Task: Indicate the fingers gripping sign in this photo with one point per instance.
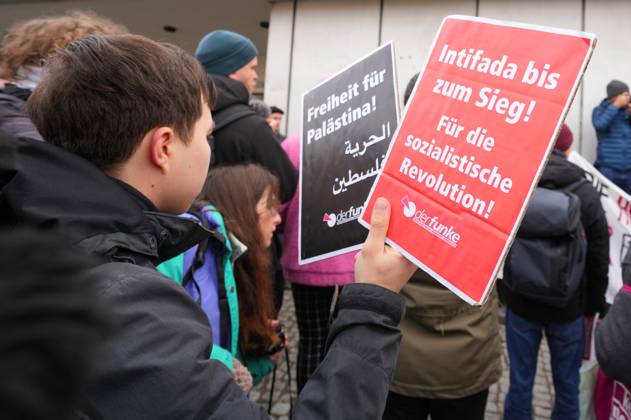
(377, 263)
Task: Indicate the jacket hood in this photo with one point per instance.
(229, 92)
(560, 172)
(45, 186)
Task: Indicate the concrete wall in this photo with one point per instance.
(319, 37)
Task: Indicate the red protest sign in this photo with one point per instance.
(473, 141)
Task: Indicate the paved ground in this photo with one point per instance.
(543, 390)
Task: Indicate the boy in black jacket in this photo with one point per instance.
(126, 121)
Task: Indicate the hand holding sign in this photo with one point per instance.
(377, 263)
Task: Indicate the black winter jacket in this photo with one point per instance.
(13, 117)
(613, 338)
(613, 335)
(156, 364)
(590, 296)
(243, 137)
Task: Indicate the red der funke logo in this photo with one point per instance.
(343, 216)
(409, 208)
(329, 218)
(432, 224)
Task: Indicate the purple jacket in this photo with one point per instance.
(330, 272)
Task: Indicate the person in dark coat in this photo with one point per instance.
(240, 135)
(275, 120)
(613, 129)
(526, 318)
(114, 181)
(613, 335)
(51, 326)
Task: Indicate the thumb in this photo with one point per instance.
(379, 222)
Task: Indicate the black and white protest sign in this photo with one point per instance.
(347, 123)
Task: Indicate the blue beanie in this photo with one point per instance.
(224, 52)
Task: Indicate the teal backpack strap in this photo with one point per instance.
(228, 282)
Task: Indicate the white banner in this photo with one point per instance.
(617, 205)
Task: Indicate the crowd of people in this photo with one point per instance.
(150, 213)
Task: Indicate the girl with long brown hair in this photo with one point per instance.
(247, 197)
(229, 274)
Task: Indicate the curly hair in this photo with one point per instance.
(28, 42)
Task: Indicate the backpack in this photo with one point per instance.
(224, 118)
(546, 261)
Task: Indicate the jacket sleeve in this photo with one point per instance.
(613, 338)
(597, 264)
(258, 368)
(602, 116)
(352, 381)
(156, 365)
(222, 355)
(266, 151)
(14, 119)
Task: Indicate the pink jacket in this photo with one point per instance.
(330, 272)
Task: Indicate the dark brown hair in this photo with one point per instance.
(102, 94)
(235, 192)
(26, 43)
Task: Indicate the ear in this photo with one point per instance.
(161, 147)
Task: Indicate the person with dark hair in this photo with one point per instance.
(613, 129)
(247, 196)
(239, 203)
(127, 120)
(275, 119)
(24, 46)
(51, 324)
(450, 352)
(527, 318)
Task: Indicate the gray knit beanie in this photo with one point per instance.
(224, 52)
(615, 88)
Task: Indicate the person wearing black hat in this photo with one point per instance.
(611, 121)
(274, 120)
